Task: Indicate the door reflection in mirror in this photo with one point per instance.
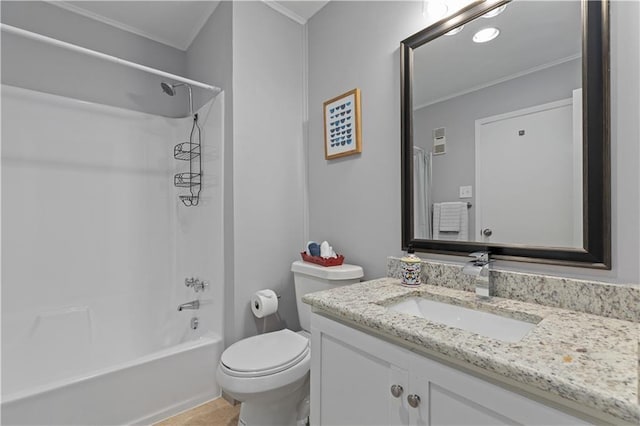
(527, 189)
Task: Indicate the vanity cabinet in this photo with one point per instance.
(352, 376)
(359, 379)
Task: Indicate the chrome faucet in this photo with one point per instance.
(195, 304)
(479, 268)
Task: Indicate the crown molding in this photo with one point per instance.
(286, 12)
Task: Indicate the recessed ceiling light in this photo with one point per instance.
(495, 12)
(454, 31)
(435, 9)
(485, 35)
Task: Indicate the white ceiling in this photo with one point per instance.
(174, 23)
(533, 35)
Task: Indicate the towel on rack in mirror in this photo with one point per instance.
(450, 221)
(450, 216)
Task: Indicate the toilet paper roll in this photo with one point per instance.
(263, 303)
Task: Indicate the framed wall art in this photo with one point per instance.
(342, 134)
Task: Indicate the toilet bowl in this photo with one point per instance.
(269, 373)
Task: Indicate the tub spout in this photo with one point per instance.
(195, 304)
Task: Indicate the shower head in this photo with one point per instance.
(170, 89)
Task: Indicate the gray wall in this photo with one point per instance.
(256, 55)
(457, 166)
(52, 21)
(209, 59)
(267, 158)
(38, 66)
(355, 202)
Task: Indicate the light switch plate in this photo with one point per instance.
(466, 191)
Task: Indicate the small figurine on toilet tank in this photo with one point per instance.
(411, 266)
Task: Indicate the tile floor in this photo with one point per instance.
(214, 413)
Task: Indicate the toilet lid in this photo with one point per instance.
(267, 353)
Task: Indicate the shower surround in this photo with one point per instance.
(96, 247)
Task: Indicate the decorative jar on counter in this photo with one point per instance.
(411, 266)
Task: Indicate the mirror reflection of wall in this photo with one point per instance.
(510, 112)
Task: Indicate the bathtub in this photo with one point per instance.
(96, 247)
(141, 391)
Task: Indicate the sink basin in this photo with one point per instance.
(483, 323)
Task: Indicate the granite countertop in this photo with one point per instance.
(589, 359)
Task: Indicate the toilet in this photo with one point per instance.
(269, 373)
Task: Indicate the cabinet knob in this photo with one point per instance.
(413, 400)
(396, 391)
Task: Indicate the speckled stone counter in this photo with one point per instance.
(588, 359)
(592, 297)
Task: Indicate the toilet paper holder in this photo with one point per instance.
(278, 296)
(264, 303)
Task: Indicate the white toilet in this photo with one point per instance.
(269, 373)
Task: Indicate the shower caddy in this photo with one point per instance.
(190, 151)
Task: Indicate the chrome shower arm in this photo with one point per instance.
(188, 86)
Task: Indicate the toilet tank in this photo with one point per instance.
(310, 278)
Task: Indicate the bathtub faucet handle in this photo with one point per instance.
(196, 284)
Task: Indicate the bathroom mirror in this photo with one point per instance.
(505, 133)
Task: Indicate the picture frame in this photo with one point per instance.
(342, 131)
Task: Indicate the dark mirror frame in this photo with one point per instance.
(596, 146)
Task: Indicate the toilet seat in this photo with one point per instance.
(286, 371)
(264, 354)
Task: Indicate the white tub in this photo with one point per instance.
(96, 247)
(141, 391)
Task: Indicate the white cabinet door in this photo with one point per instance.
(352, 376)
(352, 373)
(451, 397)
